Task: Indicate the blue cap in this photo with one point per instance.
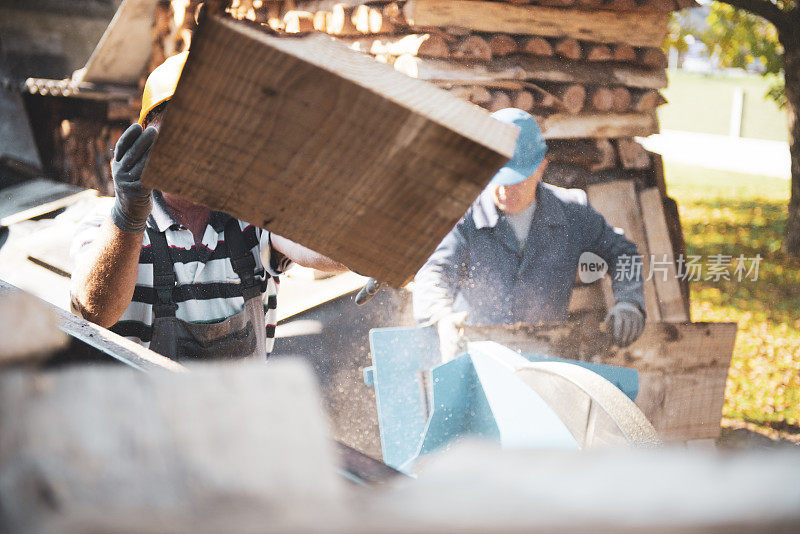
(529, 152)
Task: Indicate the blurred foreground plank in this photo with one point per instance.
(113, 439)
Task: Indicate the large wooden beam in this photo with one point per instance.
(324, 146)
(523, 67)
(120, 56)
(637, 28)
(682, 367)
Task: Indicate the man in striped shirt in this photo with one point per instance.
(178, 278)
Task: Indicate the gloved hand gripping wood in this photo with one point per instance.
(133, 201)
(626, 321)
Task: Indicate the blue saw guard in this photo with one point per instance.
(472, 396)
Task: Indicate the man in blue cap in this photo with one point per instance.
(512, 258)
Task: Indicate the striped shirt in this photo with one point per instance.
(207, 286)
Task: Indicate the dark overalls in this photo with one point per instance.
(240, 336)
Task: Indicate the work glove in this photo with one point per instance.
(451, 340)
(626, 322)
(133, 201)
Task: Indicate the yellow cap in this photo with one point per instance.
(161, 84)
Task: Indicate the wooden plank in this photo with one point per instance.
(38, 197)
(668, 287)
(324, 146)
(107, 342)
(119, 56)
(682, 367)
(648, 28)
(527, 67)
(618, 203)
(597, 125)
(246, 433)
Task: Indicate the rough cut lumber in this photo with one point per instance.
(298, 22)
(622, 99)
(682, 367)
(472, 47)
(599, 53)
(675, 230)
(668, 287)
(598, 125)
(28, 329)
(338, 125)
(618, 203)
(568, 48)
(587, 298)
(341, 21)
(424, 45)
(537, 46)
(502, 45)
(119, 56)
(652, 57)
(632, 155)
(635, 28)
(522, 67)
(646, 100)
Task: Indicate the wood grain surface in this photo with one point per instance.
(324, 146)
(641, 28)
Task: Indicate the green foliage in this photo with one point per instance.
(738, 39)
(777, 91)
(730, 213)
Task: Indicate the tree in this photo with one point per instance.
(740, 32)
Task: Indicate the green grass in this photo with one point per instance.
(730, 213)
(702, 103)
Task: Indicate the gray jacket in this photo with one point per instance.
(480, 268)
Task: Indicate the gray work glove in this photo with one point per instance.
(368, 291)
(133, 200)
(626, 322)
(451, 341)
